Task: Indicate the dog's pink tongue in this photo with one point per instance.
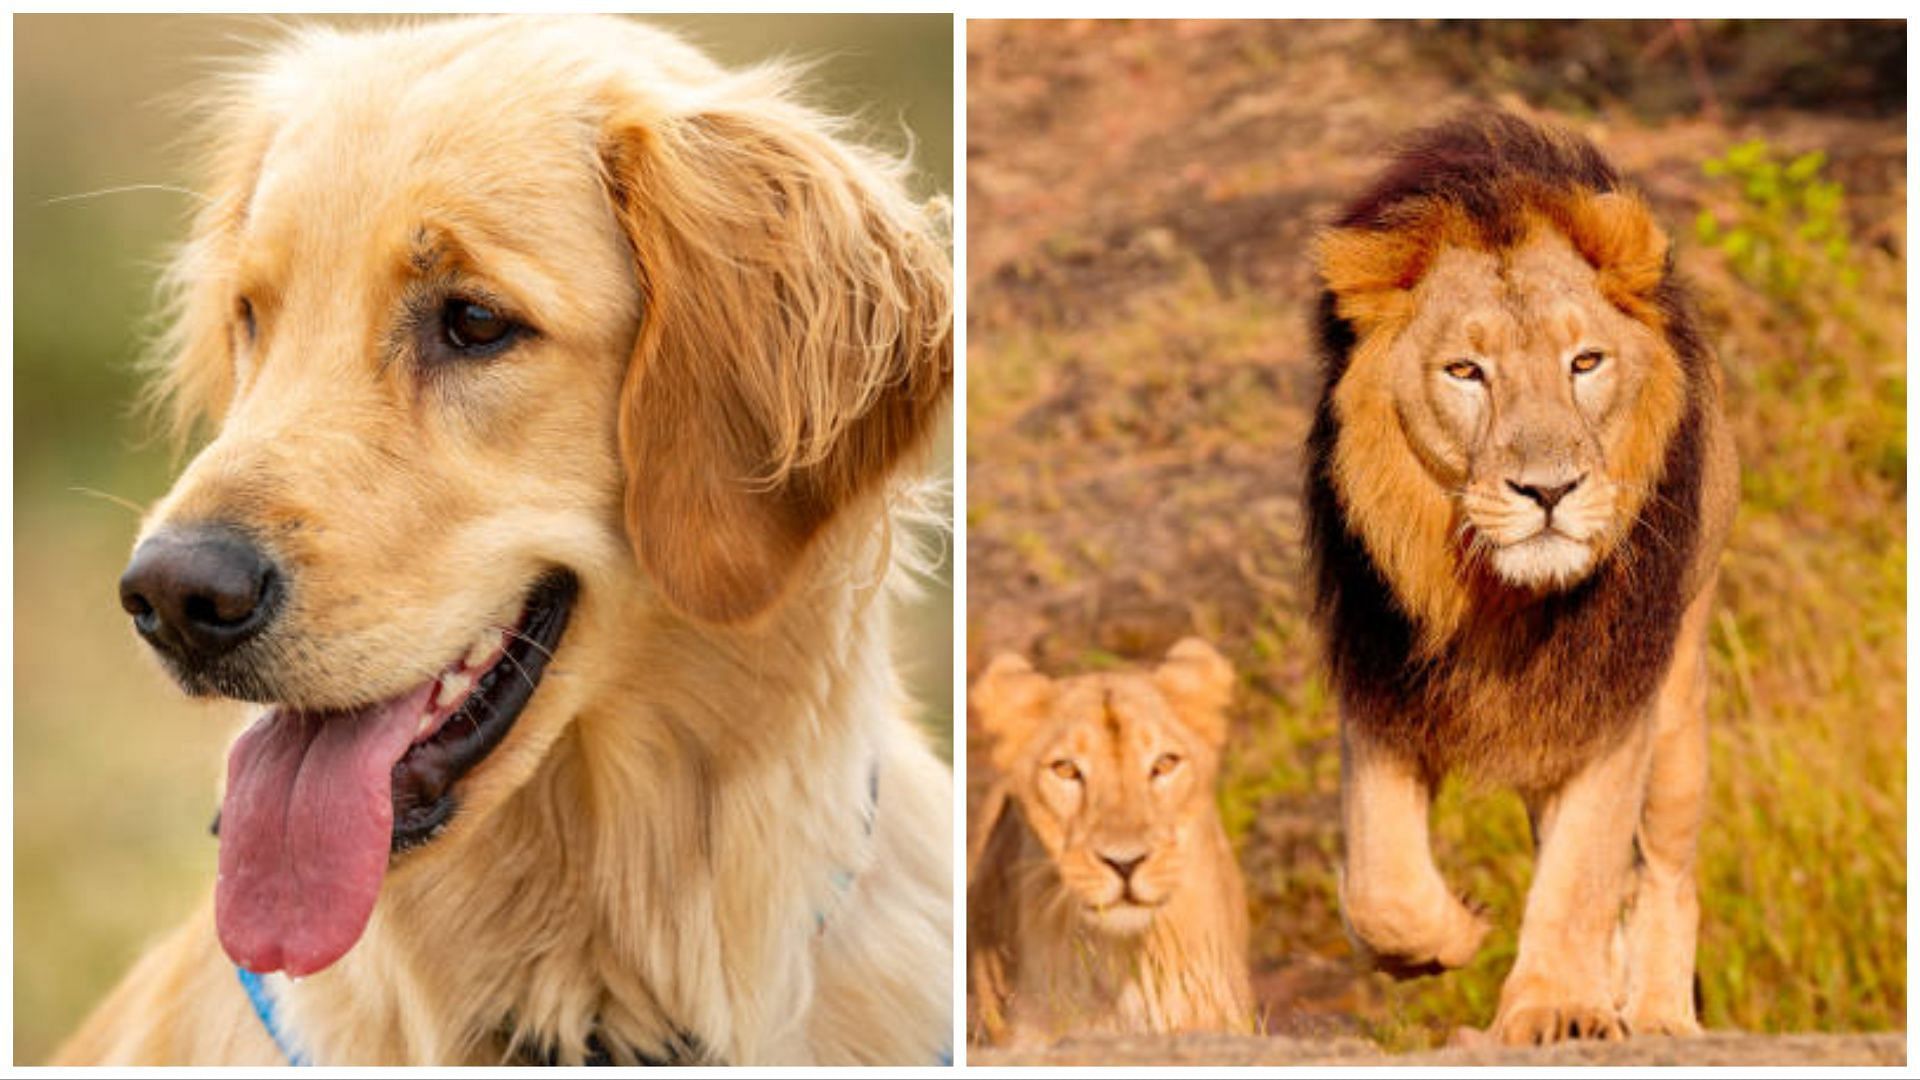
(305, 831)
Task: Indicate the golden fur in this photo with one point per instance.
(714, 825)
(1102, 772)
(1501, 322)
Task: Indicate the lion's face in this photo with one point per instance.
(1517, 384)
(1114, 774)
(1505, 409)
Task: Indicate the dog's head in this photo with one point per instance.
(502, 325)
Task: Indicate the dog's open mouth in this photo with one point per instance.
(317, 803)
(474, 703)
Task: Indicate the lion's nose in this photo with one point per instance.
(1548, 496)
(196, 593)
(1124, 865)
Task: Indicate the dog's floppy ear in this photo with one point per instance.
(1198, 682)
(796, 338)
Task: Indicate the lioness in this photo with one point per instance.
(1520, 483)
(1102, 892)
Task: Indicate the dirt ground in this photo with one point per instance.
(1718, 1049)
(1141, 197)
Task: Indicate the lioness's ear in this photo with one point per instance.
(796, 339)
(1615, 232)
(1198, 682)
(1011, 699)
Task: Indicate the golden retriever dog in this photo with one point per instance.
(565, 389)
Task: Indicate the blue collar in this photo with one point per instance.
(686, 1052)
(683, 1049)
(268, 1011)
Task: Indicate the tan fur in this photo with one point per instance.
(744, 332)
(1059, 941)
(1422, 469)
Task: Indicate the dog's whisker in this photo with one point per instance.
(126, 189)
(138, 510)
(518, 636)
(518, 667)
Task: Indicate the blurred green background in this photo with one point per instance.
(114, 773)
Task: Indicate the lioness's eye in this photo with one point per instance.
(1165, 764)
(1588, 360)
(474, 329)
(1465, 371)
(1065, 770)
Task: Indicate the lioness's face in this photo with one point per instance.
(1517, 384)
(1113, 785)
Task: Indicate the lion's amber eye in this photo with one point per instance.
(1588, 360)
(1065, 770)
(1165, 764)
(1465, 371)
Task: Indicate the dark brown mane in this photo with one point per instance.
(1479, 162)
(1522, 692)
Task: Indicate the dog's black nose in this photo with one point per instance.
(197, 593)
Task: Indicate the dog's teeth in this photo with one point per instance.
(426, 722)
(484, 649)
(453, 686)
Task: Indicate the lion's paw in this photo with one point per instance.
(1540, 1025)
(1408, 941)
(1678, 1024)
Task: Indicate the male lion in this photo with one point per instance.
(1520, 483)
(1103, 893)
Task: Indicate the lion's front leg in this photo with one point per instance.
(1562, 985)
(1397, 907)
(1664, 923)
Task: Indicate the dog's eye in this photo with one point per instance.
(1587, 361)
(474, 328)
(1465, 371)
(1165, 764)
(1065, 770)
(244, 311)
